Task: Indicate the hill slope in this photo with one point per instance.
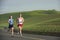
(35, 21)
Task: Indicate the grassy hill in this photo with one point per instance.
(38, 21)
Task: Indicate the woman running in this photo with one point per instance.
(20, 21)
(11, 28)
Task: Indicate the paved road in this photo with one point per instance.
(7, 36)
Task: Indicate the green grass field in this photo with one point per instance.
(34, 21)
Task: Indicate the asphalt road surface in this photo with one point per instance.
(4, 35)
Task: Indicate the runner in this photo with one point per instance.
(11, 28)
(20, 21)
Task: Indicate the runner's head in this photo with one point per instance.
(10, 17)
(20, 15)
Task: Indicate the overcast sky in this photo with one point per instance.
(28, 5)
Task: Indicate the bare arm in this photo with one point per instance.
(23, 19)
(8, 21)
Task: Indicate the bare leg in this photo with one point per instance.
(20, 30)
(12, 31)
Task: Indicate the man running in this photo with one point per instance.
(20, 21)
(11, 28)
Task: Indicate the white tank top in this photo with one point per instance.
(20, 21)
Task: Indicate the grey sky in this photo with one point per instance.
(28, 5)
